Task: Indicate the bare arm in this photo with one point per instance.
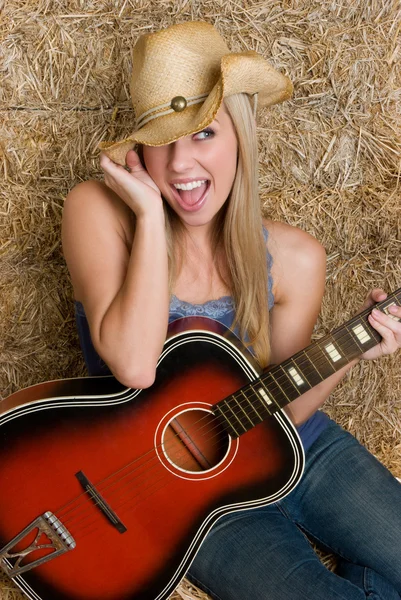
(299, 275)
(124, 289)
(299, 267)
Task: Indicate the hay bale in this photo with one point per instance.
(329, 163)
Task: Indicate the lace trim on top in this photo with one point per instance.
(214, 309)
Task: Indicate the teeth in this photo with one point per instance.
(189, 186)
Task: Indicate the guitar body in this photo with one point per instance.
(158, 458)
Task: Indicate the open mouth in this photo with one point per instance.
(194, 199)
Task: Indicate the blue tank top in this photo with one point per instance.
(222, 310)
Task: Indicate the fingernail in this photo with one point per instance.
(376, 312)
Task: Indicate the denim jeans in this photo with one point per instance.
(347, 501)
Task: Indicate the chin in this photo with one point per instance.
(196, 220)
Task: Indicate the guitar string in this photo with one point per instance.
(239, 419)
(187, 464)
(147, 471)
(143, 499)
(92, 527)
(357, 318)
(99, 484)
(129, 500)
(142, 465)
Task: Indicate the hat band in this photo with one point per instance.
(152, 113)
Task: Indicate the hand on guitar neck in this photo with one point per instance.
(386, 323)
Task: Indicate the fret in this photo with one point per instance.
(312, 375)
(261, 395)
(355, 339)
(389, 314)
(347, 343)
(277, 397)
(226, 421)
(333, 352)
(275, 380)
(373, 333)
(326, 366)
(264, 395)
(396, 296)
(297, 377)
(283, 383)
(363, 334)
(241, 408)
(252, 404)
(227, 403)
(359, 334)
(291, 379)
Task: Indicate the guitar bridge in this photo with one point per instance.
(51, 537)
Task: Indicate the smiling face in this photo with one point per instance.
(195, 174)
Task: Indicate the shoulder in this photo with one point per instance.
(286, 240)
(299, 259)
(87, 191)
(92, 202)
(97, 233)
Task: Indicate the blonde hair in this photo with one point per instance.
(237, 237)
(244, 242)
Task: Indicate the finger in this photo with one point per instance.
(388, 343)
(133, 162)
(109, 165)
(378, 295)
(131, 158)
(104, 159)
(395, 310)
(375, 295)
(388, 322)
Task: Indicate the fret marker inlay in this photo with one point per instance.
(333, 352)
(296, 376)
(265, 396)
(361, 334)
(385, 309)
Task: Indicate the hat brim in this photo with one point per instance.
(246, 72)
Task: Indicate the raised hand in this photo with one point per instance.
(134, 186)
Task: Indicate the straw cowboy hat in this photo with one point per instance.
(179, 78)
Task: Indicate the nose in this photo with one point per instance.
(181, 156)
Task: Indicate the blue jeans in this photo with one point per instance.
(347, 501)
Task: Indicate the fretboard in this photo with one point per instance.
(283, 383)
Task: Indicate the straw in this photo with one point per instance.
(330, 163)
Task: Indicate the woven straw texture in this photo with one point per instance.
(330, 163)
(190, 59)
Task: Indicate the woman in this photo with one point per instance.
(178, 231)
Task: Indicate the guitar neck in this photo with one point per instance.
(283, 383)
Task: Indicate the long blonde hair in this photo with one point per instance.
(244, 242)
(237, 237)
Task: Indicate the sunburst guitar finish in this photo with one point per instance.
(107, 493)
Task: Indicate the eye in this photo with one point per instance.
(208, 133)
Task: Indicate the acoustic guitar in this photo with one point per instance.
(107, 493)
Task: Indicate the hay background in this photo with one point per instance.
(329, 163)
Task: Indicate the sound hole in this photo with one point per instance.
(195, 441)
